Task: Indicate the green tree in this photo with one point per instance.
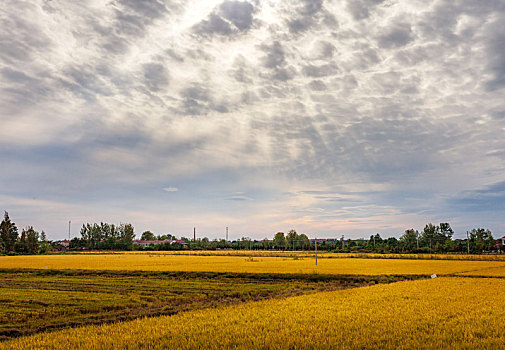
(279, 241)
(21, 246)
(444, 237)
(429, 236)
(481, 240)
(409, 240)
(392, 244)
(8, 234)
(32, 241)
(304, 241)
(291, 239)
(147, 236)
(44, 245)
(165, 237)
(126, 236)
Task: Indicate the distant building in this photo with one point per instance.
(62, 245)
(151, 243)
(324, 240)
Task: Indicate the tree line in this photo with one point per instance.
(432, 239)
(28, 242)
(105, 236)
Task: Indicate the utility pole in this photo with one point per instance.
(417, 240)
(69, 222)
(194, 234)
(226, 233)
(315, 244)
(343, 243)
(467, 243)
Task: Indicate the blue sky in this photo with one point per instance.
(329, 117)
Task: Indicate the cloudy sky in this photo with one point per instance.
(329, 117)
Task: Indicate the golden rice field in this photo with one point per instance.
(449, 312)
(492, 271)
(323, 254)
(238, 264)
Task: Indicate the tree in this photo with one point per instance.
(409, 240)
(164, 237)
(44, 245)
(20, 246)
(428, 235)
(107, 236)
(291, 238)
(8, 234)
(32, 241)
(392, 244)
(279, 241)
(147, 236)
(481, 240)
(304, 241)
(444, 237)
(126, 236)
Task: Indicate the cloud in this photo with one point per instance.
(397, 35)
(496, 54)
(360, 9)
(490, 198)
(239, 198)
(320, 71)
(231, 17)
(170, 189)
(392, 110)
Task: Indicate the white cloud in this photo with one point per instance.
(402, 97)
(170, 189)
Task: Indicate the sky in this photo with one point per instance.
(328, 117)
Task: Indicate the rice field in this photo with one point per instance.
(251, 264)
(436, 313)
(37, 300)
(321, 254)
(215, 301)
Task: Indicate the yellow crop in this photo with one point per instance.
(428, 314)
(160, 262)
(321, 254)
(492, 271)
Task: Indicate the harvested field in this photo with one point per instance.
(39, 300)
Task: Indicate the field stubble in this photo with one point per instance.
(37, 300)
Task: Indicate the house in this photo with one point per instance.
(144, 244)
(500, 243)
(62, 245)
(149, 243)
